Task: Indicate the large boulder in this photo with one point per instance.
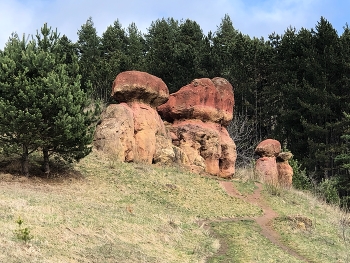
(133, 130)
(203, 99)
(194, 135)
(139, 86)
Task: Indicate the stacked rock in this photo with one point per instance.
(132, 130)
(272, 165)
(197, 117)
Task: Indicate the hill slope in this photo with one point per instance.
(119, 212)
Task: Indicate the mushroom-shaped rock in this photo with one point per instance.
(140, 86)
(284, 156)
(203, 99)
(268, 148)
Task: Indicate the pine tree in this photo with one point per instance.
(41, 102)
(113, 58)
(20, 119)
(136, 49)
(89, 53)
(161, 51)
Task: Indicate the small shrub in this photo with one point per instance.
(300, 179)
(273, 188)
(22, 233)
(328, 190)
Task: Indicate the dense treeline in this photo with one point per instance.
(293, 87)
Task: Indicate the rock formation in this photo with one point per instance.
(193, 133)
(197, 117)
(133, 130)
(272, 165)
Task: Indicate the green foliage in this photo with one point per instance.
(300, 178)
(41, 102)
(328, 190)
(273, 188)
(22, 233)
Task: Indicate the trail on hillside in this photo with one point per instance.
(264, 221)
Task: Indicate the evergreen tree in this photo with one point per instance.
(89, 53)
(20, 119)
(136, 48)
(190, 42)
(41, 102)
(161, 57)
(113, 60)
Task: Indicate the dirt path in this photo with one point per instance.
(263, 221)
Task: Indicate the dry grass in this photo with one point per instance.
(113, 212)
(247, 244)
(105, 211)
(312, 227)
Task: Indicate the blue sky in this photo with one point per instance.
(251, 17)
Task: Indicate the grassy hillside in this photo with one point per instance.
(105, 211)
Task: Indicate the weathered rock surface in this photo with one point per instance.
(115, 134)
(268, 148)
(203, 99)
(207, 145)
(139, 86)
(285, 174)
(266, 169)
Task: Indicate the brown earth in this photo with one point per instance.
(264, 221)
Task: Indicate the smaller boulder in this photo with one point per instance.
(284, 156)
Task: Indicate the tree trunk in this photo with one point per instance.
(25, 161)
(46, 165)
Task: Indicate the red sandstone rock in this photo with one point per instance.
(285, 174)
(139, 86)
(115, 134)
(197, 137)
(268, 148)
(203, 99)
(266, 169)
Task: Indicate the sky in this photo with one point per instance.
(251, 17)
